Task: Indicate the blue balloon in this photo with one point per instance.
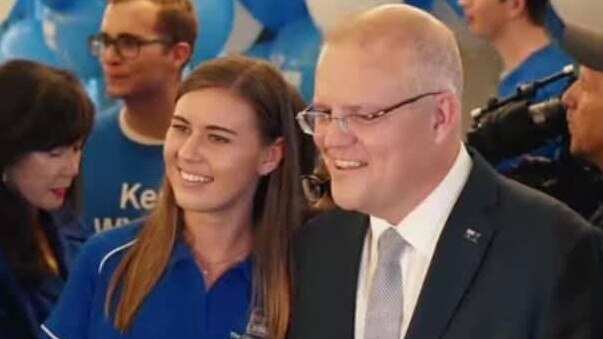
(295, 50)
(95, 87)
(82, 7)
(274, 14)
(68, 33)
(24, 39)
(454, 4)
(422, 4)
(215, 23)
(554, 24)
(59, 5)
(260, 49)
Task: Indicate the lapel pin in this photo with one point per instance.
(472, 235)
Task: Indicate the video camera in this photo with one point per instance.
(516, 124)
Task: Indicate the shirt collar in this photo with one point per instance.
(422, 226)
(181, 252)
(133, 135)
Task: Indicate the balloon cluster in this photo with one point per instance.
(288, 33)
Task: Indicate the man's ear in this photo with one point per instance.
(181, 53)
(447, 114)
(272, 155)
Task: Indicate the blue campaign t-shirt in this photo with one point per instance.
(179, 305)
(121, 173)
(540, 64)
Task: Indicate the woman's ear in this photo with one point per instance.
(272, 155)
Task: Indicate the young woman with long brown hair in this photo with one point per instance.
(212, 259)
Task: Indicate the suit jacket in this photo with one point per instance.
(510, 263)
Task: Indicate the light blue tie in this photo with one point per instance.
(385, 303)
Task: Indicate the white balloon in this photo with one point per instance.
(6, 7)
(245, 30)
(327, 13)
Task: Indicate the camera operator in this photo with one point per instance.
(576, 27)
(518, 124)
(584, 102)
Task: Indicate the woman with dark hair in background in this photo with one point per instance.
(216, 248)
(45, 117)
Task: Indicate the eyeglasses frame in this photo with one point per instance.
(343, 121)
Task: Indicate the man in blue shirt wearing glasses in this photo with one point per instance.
(142, 47)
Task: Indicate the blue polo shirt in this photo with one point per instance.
(179, 306)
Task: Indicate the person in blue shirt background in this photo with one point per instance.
(215, 250)
(142, 47)
(515, 28)
(45, 117)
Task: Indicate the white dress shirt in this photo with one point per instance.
(421, 229)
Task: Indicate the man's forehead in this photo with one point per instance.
(142, 16)
(353, 58)
(377, 49)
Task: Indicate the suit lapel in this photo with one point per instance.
(345, 263)
(328, 254)
(458, 254)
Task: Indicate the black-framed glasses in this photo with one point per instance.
(314, 187)
(312, 119)
(126, 45)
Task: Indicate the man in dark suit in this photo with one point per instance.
(434, 243)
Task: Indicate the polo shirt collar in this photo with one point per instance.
(182, 252)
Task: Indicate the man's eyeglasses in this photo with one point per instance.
(314, 187)
(312, 120)
(126, 46)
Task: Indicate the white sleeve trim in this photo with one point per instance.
(113, 251)
(48, 332)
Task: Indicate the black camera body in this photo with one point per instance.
(515, 125)
(517, 128)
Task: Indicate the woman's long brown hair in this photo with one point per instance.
(276, 202)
